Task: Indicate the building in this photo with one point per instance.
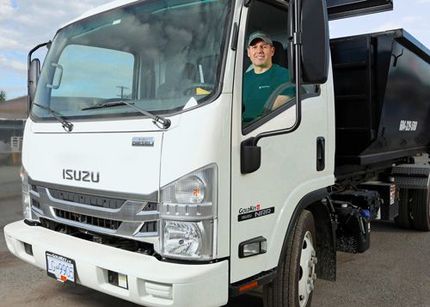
(13, 114)
(14, 109)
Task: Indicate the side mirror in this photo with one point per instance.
(33, 78)
(250, 156)
(315, 41)
(33, 73)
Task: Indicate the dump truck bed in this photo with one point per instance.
(382, 97)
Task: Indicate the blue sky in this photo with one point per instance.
(26, 23)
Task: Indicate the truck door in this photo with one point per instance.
(262, 202)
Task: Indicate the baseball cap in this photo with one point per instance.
(259, 35)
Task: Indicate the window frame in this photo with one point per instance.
(253, 125)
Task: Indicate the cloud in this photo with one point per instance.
(6, 9)
(26, 23)
(15, 65)
(32, 22)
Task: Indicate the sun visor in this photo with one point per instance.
(338, 9)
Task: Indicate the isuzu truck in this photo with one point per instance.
(142, 179)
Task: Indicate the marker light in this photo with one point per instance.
(26, 202)
(190, 190)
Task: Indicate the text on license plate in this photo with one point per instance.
(61, 268)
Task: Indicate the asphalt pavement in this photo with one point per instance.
(395, 271)
(9, 181)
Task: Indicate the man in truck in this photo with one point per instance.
(264, 78)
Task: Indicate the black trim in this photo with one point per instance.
(133, 115)
(262, 278)
(29, 56)
(258, 240)
(235, 37)
(342, 9)
(278, 4)
(325, 227)
(194, 262)
(409, 41)
(32, 223)
(381, 156)
(250, 156)
(320, 154)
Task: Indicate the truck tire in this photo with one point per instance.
(420, 209)
(404, 220)
(295, 281)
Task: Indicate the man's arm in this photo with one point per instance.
(280, 100)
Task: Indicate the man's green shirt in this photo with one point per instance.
(257, 89)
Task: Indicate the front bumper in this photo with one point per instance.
(150, 282)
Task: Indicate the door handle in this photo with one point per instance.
(320, 154)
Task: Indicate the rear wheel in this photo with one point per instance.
(404, 218)
(420, 209)
(296, 276)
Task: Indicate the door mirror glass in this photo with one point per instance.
(33, 78)
(315, 41)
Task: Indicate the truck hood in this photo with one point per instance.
(123, 161)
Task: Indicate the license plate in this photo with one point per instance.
(61, 268)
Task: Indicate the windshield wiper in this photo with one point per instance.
(68, 126)
(157, 120)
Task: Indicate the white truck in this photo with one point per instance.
(142, 180)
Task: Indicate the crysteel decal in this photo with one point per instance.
(253, 212)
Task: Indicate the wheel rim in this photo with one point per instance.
(307, 275)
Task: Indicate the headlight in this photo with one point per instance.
(26, 202)
(188, 239)
(188, 214)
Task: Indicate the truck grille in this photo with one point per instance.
(89, 220)
(85, 199)
(113, 216)
(149, 227)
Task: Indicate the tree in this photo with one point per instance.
(2, 96)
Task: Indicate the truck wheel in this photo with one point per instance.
(404, 220)
(420, 209)
(296, 276)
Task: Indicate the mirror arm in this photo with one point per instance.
(30, 55)
(297, 42)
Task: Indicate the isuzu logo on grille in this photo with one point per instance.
(76, 175)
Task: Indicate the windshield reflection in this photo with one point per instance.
(162, 55)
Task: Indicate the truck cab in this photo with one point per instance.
(144, 180)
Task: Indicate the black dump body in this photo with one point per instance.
(382, 98)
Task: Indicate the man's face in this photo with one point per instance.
(260, 54)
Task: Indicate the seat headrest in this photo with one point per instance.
(279, 57)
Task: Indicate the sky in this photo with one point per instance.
(26, 23)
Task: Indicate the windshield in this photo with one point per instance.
(162, 56)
